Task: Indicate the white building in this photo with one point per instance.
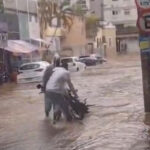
(105, 41)
(26, 11)
(94, 7)
(120, 12)
(123, 14)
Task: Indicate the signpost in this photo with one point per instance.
(144, 22)
(143, 7)
(143, 4)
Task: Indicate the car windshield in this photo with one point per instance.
(84, 56)
(29, 66)
(68, 60)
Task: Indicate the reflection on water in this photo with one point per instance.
(116, 120)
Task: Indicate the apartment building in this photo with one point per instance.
(26, 11)
(95, 7)
(116, 11)
(123, 14)
(120, 12)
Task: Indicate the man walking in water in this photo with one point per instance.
(56, 90)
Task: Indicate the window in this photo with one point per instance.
(33, 18)
(30, 67)
(127, 12)
(67, 60)
(115, 12)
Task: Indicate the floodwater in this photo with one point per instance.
(116, 120)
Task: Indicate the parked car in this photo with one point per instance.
(73, 64)
(98, 57)
(32, 72)
(88, 61)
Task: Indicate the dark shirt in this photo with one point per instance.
(47, 74)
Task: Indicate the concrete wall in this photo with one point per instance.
(34, 28)
(98, 45)
(110, 36)
(95, 7)
(108, 47)
(132, 45)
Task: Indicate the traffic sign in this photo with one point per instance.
(143, 4)
(143, 7)
(144, 43)
(144, 22)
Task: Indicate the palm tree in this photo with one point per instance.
(48, 10)
(78, 10)
(92, 23)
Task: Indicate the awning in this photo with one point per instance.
(41, 41)
(19, 46)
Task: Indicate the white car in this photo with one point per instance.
(32, 72)
(73, 64)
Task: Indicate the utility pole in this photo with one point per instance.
(102, 10)
(143, 8)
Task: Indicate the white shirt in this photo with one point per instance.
(58, 80)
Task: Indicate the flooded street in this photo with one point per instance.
(116, 120)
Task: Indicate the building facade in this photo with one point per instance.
(10, 21)
(94, 7)
(123, 14)
(105, 41)
(74, 42)
(120, 12)
(26, 11)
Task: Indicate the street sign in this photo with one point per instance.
(143, 7)
(143, 4)
(144, 22)
(144, 43)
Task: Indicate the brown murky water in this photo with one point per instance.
(116, 120)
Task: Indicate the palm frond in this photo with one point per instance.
(48, 10)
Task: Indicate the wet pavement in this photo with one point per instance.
(116, 120)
